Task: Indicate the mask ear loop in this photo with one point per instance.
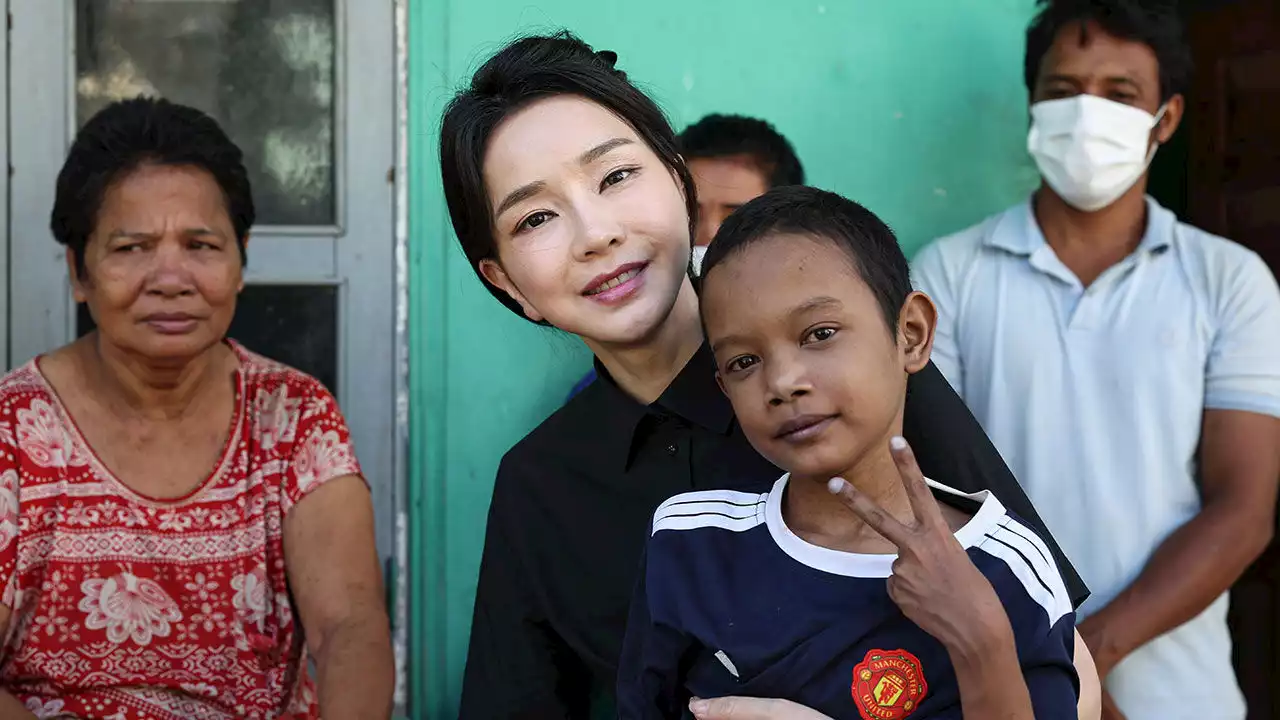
(1155, 125)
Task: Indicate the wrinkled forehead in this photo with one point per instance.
(544, 140)
(160, 195)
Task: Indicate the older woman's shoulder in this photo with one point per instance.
(262, 373)
(23, 385)
(292, 414)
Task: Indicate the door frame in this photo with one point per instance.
(6, 169)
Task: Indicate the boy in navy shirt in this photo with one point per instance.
(853, 585)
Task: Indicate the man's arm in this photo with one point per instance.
(1240, 464)
(517, 666)
(1239, 468)
(332, 564)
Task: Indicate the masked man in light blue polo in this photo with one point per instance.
(1126, 365)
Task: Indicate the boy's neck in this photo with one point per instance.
(822, 519)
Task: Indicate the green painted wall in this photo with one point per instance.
(913, 107)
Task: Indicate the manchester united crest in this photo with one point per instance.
(888, 684)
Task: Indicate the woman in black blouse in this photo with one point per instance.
(572, 204)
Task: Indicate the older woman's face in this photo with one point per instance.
(162, 267)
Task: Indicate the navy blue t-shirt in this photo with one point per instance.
(731, 602)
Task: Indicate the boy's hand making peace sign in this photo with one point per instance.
(934, 582)
(938, 587)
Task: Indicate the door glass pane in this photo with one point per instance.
(263, 68)
(293, 324)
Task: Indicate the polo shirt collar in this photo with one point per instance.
(1016, 230)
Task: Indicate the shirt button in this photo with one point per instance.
(672, 449)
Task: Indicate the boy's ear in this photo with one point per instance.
(916, 324)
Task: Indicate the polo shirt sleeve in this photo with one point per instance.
(931, 276)
(1243, 369)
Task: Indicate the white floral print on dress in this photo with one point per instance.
(277, 416)
(44, 439)
(250, 599)
(320, 457)
(85, 545)
(128, 606)
(9, 518)
(44, 710)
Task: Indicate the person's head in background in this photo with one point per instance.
(568, 194)
(808, 306)
(733, 160)
(1105, 78)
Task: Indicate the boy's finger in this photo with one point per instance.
(871, 513)
(751, 708)
(923, 505)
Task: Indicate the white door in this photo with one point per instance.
(5, 169)
(306, 88)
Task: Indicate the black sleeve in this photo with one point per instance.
(517, 666)
(952, 447)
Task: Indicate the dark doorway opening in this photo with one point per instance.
(1221, 172)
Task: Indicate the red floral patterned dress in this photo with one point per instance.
(125, 607)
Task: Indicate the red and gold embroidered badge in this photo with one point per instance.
(888, 684)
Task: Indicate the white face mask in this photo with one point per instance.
(699, 252)
(1091, 150)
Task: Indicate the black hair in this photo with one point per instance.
(1154, 23)
(717, 136)
(128, 134)
(526, 70)
(870, 245)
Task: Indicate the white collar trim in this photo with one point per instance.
(867, 565)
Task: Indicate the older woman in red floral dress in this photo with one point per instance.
(183, 523)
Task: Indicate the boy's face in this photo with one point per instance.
(816, 378)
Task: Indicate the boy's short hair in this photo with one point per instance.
(868, 242)
(719, 136)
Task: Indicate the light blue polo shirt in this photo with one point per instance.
(1094, 397)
